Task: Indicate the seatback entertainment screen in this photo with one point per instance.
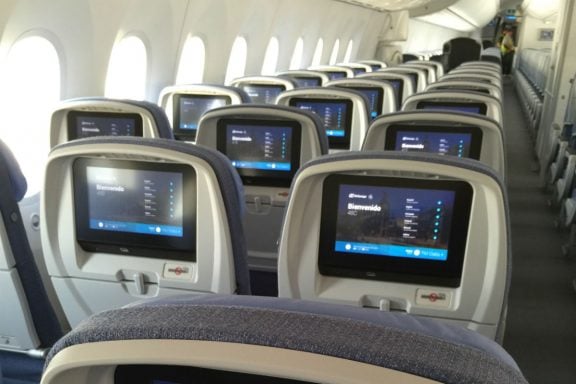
(263, 93)
(135, 208)
(83, 124)
(375, 96)
(336, 114)
(394, 229)
(307, 81)
(475, 108)
(264, 152)
(189, 109)
(456, 140)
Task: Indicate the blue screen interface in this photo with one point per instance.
(307, 81)
(450, 107)
(442, 143)
(358, 71)
(374, 96)
(259, 147)
(334, 75)
(333, 115)
(394, 222)
(88, 126)
(262, 93)
(193, 107)
(135, 201)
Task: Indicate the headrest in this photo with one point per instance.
(10, 164)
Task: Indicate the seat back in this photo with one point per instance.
(267, 145)
(30, 321)
(357, 68)
(334, 72)
(97, 116)
(127, 218)
(472, 77)
(305, 78)
(411, 232)
(477, 71)
(271, 340)
(463, 101)
(419, 76)
(375, 64)
(344, 113)
(460, 50)
(263, 89)
(445, 133)
(185, 105)
(460, 85)
(381, 95)
(430, 70)
(434, 64)
(402, 83)
(481, 63)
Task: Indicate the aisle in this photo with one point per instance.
(541, 327)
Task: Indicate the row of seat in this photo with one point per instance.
(85, 181)
(530, 83)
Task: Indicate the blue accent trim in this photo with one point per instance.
(126, 226)
(334, 132)
(268, 166)
(392, 250)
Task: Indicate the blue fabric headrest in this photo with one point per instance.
(17, 179)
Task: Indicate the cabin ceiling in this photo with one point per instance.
(390, 5)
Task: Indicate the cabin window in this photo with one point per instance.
(192, 60)
(348, 55)
(316, 59)
(29, 89)
(296, 61)
(237, 60)
(335, 51)
(126, 78)
(271, 58)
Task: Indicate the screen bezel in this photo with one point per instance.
(334, 142)
(134, 244)
(336, 75)
(474, 131)
(259, 177)
(72, 116)
(190, 134)
(381, 268)
(482, 107)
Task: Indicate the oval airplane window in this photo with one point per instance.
(192, 61)
(237, 60)
(348, 55)
(317, 58)
(271, 58)
(296, 61)
(31, 64)
(335, 51)
(126, 77)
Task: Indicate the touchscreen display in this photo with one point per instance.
(396, 229)
(189, 109)
(476, 108)
(132, 207)
(263, 152)
(263, 93)
(335, 114)
(459, 141)
(303, 81)
(88, 124)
